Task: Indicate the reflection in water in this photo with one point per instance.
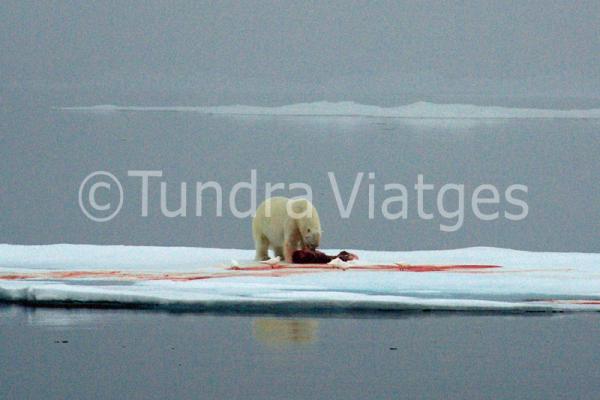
(357, 122)
(62, 318)
(282, 331)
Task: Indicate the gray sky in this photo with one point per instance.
(482, 47)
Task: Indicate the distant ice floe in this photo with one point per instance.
(480, 278)
(418, 110)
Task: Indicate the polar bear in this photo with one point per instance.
(285, 225)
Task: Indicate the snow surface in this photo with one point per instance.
(158, 276)
(418, 110)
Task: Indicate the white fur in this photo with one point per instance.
(285, 225)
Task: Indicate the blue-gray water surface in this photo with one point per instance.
(117, 354)
(46, 153)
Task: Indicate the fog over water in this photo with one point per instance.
(389, 54)
(273, 52)
(47, 153)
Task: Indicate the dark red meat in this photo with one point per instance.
(318, 257)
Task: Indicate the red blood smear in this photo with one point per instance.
(438, 268)
(84, 274)
(254, 271)
(566, 301)
(375, 267)
(584, 302)
(14, 277)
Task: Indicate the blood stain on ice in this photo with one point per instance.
(278, 270)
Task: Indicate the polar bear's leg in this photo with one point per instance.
(279, 252)
(290, 244)
(289, 249)
(262, 248)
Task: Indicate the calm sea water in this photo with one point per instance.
(46, 153)
(110, 354)
(58, 353)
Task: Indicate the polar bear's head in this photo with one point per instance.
(311, 232)
(308, 222)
